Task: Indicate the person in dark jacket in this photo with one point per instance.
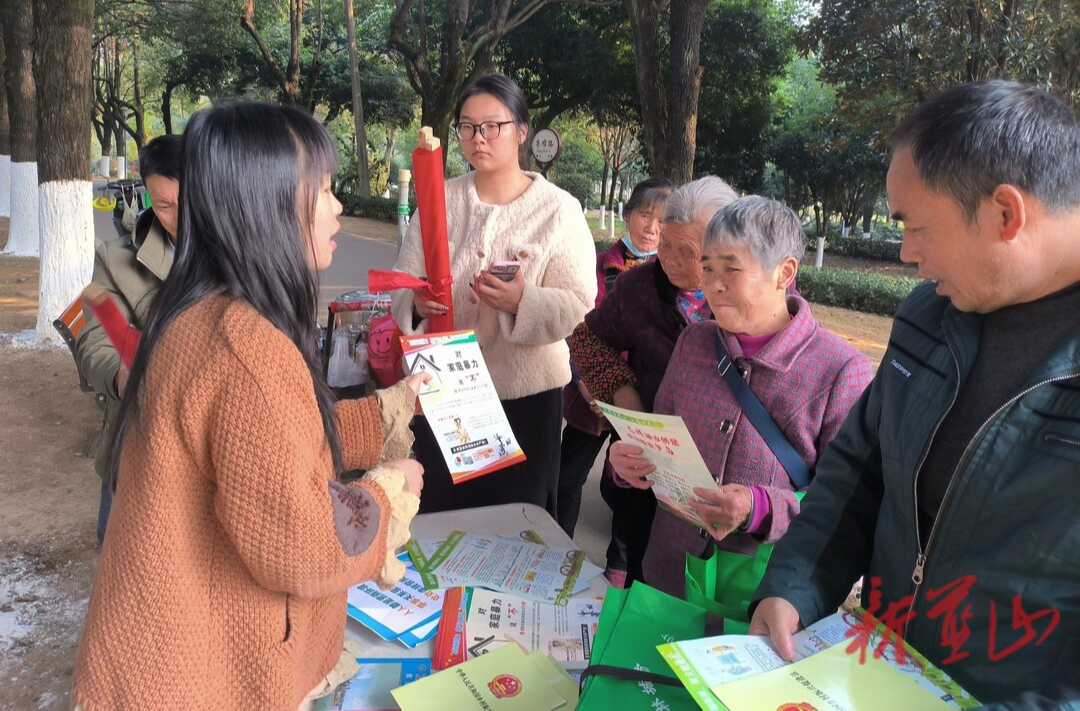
(642, 317)
(586, 430)
(130, 269)
(952, 486)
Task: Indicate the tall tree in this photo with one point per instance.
(886, 58)
(363, 182)
(746, 47)
(667, 52)
(619, 147)
(5, 140)
(22, 110)
(296, 85)
(446, 45)
(62, 63)
(547, 55)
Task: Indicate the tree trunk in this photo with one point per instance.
(645, 33)
(62, 65)
(668, 109)
(687, 19)
(5, 143)
(140, 134)
(358, 105)
(121, 148)
(388, 156)
(22, 112)
(166, 106)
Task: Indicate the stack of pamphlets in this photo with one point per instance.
(518, 565)
(737, 672)
(493, 620)
(408, 612)
(370, 689)
(507, 679)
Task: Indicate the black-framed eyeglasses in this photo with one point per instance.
(488, 129)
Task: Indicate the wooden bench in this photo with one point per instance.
(69, 325)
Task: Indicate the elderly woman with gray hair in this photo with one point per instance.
(806, 378)
(642, 316)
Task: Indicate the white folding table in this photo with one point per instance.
(491, 520)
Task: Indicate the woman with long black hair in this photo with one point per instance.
(231, 543)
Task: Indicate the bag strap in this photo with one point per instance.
(626, 675)
(762, 421)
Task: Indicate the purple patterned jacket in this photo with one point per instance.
(806, 377)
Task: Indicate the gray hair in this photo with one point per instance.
(971, 138)
(698, 199)
(769, 228)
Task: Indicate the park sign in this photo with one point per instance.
(546, 147)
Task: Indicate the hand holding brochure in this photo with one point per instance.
(667, 444)
(461, 404)
(738, 672)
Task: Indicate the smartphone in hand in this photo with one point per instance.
(504, 270)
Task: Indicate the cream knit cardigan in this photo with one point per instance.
(545, 230)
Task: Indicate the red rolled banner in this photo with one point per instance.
(430, 181)
(123, 336)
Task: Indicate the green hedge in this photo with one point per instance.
(374, 208)
(855, 289)
(874, 248)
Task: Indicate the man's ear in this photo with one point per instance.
(1010, 210)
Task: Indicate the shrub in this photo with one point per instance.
(865, 291)
(874, 248)
(375, 208)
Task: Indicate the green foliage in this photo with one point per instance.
(579, 165)
(864, 291)
(580, 186)
(820, 159)
(547, 54)
(746, 46)
(889, 57)
(374, 208)
(874, 248)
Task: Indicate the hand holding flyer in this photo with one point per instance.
(461, 404)
(667, 445)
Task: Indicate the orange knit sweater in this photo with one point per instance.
(223, 575)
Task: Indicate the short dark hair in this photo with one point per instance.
(506, 91)
(161, 156)
(249, 183)
(649, 193)
(971, 138)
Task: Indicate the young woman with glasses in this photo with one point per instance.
(500, 212)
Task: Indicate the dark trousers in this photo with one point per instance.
(576, 457)
(535, 420)
(104, 506)
(632, 512)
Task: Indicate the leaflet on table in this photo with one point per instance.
(461, 404)
(506, 679)
(394, 613)
(563, 632)
(422, 550)
(509, 565)
(667, 445)
(709, 667)
(370, 687)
